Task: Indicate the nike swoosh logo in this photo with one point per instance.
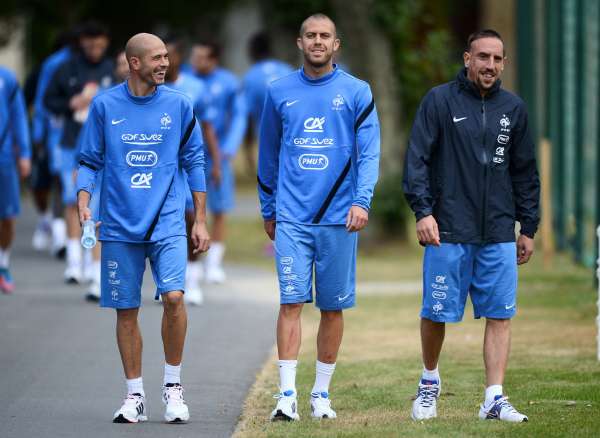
(455, 119)
(166, 280)
(509, 307)
(343, 298)
(116, 122)
(292, 102)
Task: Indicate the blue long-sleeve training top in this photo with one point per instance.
(13, 119)
(318, 149)
(143, 144)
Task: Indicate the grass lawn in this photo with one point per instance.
(553, 374)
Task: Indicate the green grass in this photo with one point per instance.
(553, 375)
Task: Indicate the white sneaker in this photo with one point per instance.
(501, 409)
(93, 292)
(193, 296)
(72, 274)
(320, 406)
(42, 237)
(425, 405)
(176, 409)
(132, 411)
(215, 274)
(287, 407)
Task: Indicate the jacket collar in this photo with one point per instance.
(469, 86)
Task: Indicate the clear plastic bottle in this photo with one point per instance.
(88, 236)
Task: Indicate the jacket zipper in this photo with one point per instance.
(485, 172)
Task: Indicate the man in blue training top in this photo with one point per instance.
(143, 136)
(227, 115)
(13, 132)
(263, 71)
(470, 172)
(195, 89)
(318, 165)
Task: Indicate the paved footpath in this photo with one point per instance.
(61, 374)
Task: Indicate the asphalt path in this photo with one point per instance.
(61, 375)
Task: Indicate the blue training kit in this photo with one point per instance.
(13, 131)
(143, 144)
(318, 156)
(486, 272)
(227, 114)
(255, 83)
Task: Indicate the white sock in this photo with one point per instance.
(135, 386)
(287, 375)
(96, 271)
(172, 374)
(74, 251)
(323, 377)
(214, 257)
(430, 374)
(4, 258)
(193, 271)
(88, 258)
(59, 232)
(45, 218)
(491, 392)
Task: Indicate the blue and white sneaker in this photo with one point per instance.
(287, 407)
(501, 409)
(320, 406)
(425, 405)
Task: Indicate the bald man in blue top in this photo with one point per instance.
(143, 136)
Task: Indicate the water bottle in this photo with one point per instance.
(88, 237)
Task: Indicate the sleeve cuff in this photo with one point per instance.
(422, 213)
(197, 180)
(86, 179)
(528, 230)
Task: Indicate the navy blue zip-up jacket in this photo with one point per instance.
(471, 164)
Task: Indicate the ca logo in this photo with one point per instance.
(314, 124)
(141, 180)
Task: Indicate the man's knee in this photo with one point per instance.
(173, 302)
(290, 311)
(127, 318)
(330, 316)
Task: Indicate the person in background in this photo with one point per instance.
(13, 132)
(227, 114)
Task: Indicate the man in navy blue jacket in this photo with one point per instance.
(470, 173)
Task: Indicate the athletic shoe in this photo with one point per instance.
(7, 284)
(132, 411)
(176, 409)
(501, 409)
(287, 407)
(215, 274)
(72, 275)
(320, 405)
(42, 236)
(193, 296)
(425, 405)
(93, 292)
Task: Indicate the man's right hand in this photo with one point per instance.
(270, 228)
(427, 231)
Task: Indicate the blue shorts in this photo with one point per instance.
(220, 198)
(66, 162)
(330, 250)
(124, 263)
(488, 273)
(54, 135)
(10, 205)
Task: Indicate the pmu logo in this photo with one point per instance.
(314, 124)
(141, 180)
(142, 139)
(313, 162)
(141, 158)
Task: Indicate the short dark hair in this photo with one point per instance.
(93, 29)
(259, 46)
(484, 33)
(317, 16)
(215, 48)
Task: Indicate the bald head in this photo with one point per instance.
(140, 44)
(319, 17)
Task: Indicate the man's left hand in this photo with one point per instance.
(24, 165)
(357, 218)
(200, 237)
(524, 249)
